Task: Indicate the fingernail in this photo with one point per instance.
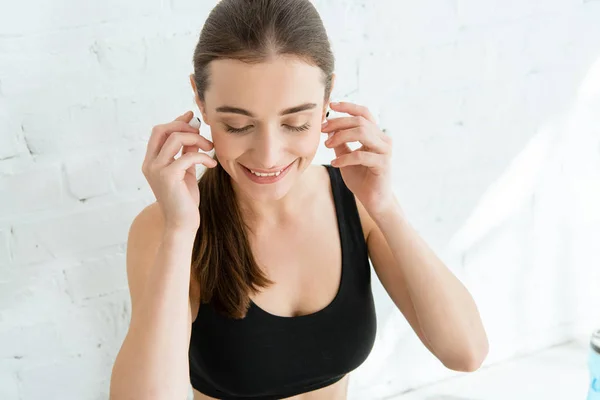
(324, 124)
(329, 135)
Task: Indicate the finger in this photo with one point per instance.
(161, 132)
(338, 124)
(186, 117)
(342, 149)
(358, 157)
(190, 149)
(335, 124)
(189, 160)
(359, 134)
(195, 122)
(176, 141)
(352, 109)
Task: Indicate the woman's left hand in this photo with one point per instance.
(366, 170)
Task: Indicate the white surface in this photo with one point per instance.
(558, 373)
(495, 163)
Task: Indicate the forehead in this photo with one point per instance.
(265, 87)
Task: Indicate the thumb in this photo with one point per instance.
(185, 117)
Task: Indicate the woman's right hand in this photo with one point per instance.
(173, 181)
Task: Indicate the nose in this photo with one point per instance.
(269, 148)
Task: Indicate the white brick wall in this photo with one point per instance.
(467, 88)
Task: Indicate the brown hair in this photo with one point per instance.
(251, 31)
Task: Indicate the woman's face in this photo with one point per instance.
(264, 117)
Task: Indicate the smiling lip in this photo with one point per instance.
(267, 179)
(269, 171)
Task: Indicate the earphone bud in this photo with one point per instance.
(325, 120)
(195, 122)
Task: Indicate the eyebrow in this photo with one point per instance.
(291, 110)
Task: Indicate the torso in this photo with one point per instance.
(337, 391)
(315, 263)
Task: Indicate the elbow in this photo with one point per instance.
(470, 360)
(470, 364)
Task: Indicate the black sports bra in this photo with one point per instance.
(265, 356)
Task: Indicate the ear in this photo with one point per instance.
(326, 105)
(333, 76)
(200, 104)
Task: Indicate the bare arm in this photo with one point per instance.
(434, 301)
(153, 360)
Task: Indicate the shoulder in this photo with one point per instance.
(366, 221)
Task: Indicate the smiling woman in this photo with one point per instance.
(264, 117)
(254, 282)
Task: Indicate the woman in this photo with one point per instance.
(277, 302)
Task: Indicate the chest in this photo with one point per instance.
(304, 259)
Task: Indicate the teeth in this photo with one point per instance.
(261, 174)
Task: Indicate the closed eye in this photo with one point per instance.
(299, 128)
(290, 127)
(237, 130)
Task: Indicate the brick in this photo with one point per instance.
(98, 325)
(69, 234)
(10, 141)
(32, 343)
(39, 188)
(5, 257)
(496, 12)
(25, 19)
(33, 295)
(126, 170)
(78, 125)
(97, 277)
(9, 385)
(73, 378)
(393, 26)
(87, 175)
(136, 116)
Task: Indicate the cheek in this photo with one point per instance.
(225, 146)
(311, 142)
(315, 140)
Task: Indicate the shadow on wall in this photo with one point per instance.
(526, 252)
(529, 246)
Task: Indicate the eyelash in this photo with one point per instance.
(292, 128)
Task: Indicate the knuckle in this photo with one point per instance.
(157, 128)
(175, 137)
